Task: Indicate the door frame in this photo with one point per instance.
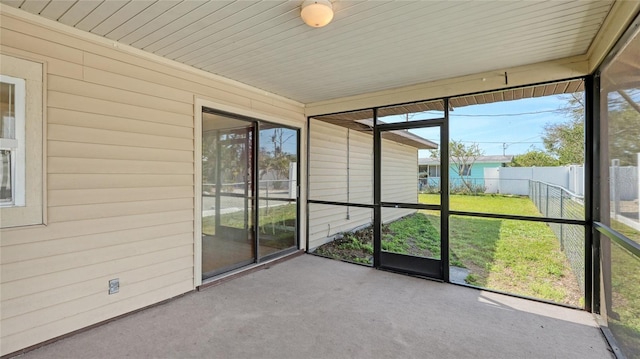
(241, 114)
(427, 267)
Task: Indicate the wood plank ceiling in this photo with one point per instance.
(369, 46)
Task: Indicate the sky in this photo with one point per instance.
(517, 125)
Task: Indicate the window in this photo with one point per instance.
(21, 142)
(434, 171)
(12, 146)
(464, 170)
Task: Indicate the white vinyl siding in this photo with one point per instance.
(399, 173)
(120, 183)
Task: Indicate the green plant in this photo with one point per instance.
(624, 311)
(519, 257)
(471, 279)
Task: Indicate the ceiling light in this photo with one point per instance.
(316, 13)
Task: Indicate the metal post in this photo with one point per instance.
(245, 177)
(444, 193)
(218, 179)
(546, 213)
(561, 225)
(377, 191)
(255, 186)
(592, 185)
(615, 174)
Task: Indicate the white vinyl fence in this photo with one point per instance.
(515, 180)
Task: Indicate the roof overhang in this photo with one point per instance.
(265, 44)
(557, 88)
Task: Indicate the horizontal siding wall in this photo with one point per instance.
(399, 173)
(339, 175)
(399, 178)
(120, 183)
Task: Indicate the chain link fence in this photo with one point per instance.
(557, 202)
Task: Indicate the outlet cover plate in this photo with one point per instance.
(114, 286)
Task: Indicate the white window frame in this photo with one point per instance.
(16, 146)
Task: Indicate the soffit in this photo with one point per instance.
(370, 46)
(361, 120)
(564, 87)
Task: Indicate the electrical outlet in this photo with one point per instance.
(114, 286)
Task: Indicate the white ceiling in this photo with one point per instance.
(369, 46)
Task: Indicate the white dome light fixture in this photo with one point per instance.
(316, 13)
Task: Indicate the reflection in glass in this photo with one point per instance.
(619, 197)
(411, 232)
(277, 226)
(533, 259)
(227, 194)
(277, 162)
(277, 171)
(624, 297)
(623, 127)
(7, 110)
(6, 194)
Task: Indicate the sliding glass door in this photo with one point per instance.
(228, 202)
(278, 188)
(249, 191)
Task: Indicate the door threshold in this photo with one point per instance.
(225, 277)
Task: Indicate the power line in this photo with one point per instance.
(513, 114)
(509, 114)
(494, 142)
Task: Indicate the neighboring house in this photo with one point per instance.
(430, 170)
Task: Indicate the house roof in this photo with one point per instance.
(370, 45)
(480, 159)
(399, 136)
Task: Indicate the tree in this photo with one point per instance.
(534, 158)
(623, 124)
(462, 157)
(273, 159)
(565, 141)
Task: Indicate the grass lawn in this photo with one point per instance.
(277, 224)
(518, 257)
(624, 322)
(514, 205)
(512, 256)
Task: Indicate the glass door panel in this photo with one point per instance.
(278, 226)
(228, 239)
(278, 188)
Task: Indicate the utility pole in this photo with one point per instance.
(504, 148)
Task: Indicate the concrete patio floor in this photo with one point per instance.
(311, 307)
